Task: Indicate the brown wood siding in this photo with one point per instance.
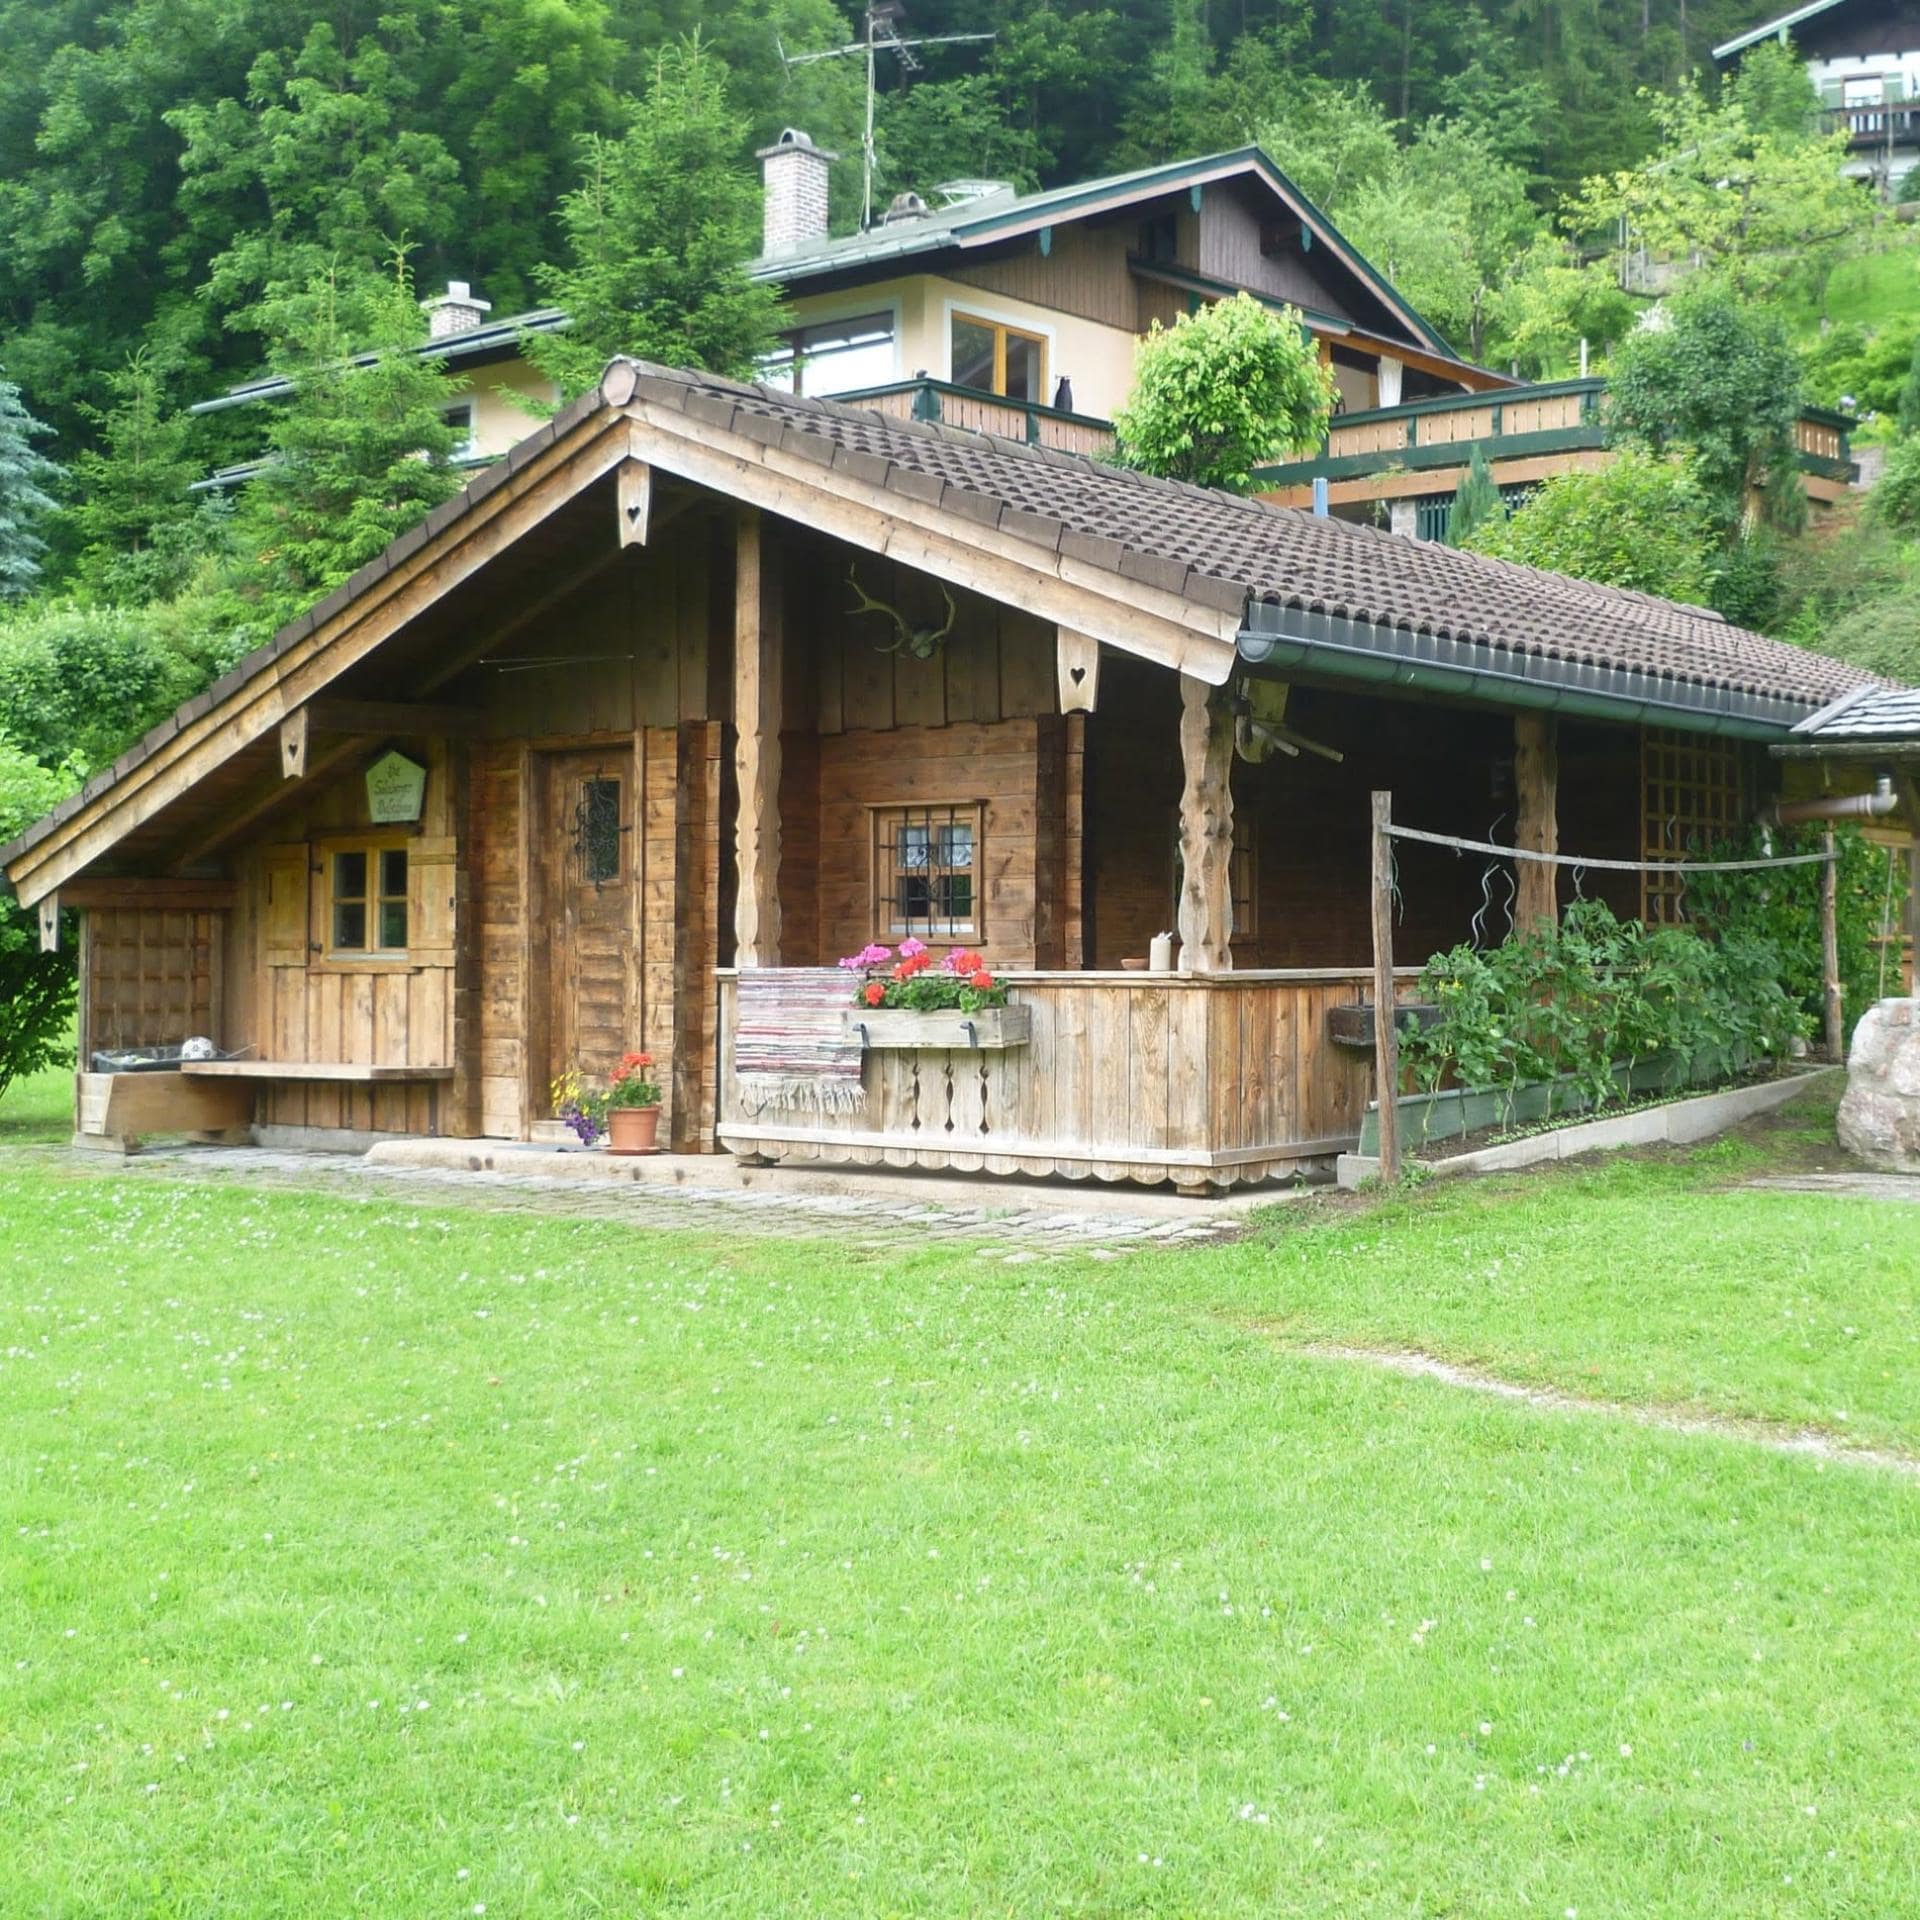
(1231, 221)
(500, 931)
(1084, 274)
(152, 977)
(1209, 1079)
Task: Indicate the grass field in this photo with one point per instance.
(38, 1108)
(365, 1559)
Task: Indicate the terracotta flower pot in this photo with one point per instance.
(633, 1130)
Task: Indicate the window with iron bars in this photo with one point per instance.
(927, 871)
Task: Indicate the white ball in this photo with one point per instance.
(198, 1048)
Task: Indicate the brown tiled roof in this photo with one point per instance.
(1168, 532)
(1209, 547)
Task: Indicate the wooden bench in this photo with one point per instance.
(204, 1098)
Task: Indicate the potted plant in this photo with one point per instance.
(576, 1109)
(633, 1106)
(910, 1000)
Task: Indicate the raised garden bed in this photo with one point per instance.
(1444, 1115)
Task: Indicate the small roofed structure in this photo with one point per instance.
(708, 686)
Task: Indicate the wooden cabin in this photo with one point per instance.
(708, 685)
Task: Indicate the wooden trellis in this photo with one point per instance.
(1693, 795)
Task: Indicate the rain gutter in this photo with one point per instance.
(1366, 650)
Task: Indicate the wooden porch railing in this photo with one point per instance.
(1198, 1079)
(959, 406)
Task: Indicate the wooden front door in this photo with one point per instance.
(589, 919)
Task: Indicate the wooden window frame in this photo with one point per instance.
(883, 875)
(1001, 330)
(322, 955)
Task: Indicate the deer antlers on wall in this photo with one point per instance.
(921, 642)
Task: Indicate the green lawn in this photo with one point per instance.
(368, 1559)
(38, 1108)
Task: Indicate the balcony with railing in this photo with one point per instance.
(958, 406)
(1875, 126)
(1533, 424)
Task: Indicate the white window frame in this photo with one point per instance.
(854, 310)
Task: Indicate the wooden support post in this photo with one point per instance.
(756, 720)
(50, 924)
(1206, 828)
(1386, 1034)
(1832, 1000)
(1910, 806)
(1079, 669)
(1536, 779)
(295, 731)
(635, 485)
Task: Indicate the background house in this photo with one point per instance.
(1863, 57)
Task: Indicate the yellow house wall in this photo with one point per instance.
(498, 423)
(1098, 359)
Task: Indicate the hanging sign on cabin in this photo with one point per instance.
(395, 789)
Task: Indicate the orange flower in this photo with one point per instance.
(875, 993)
(983, 980)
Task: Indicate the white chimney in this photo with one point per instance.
(794, 171)
(455, 311)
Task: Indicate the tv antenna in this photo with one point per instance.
(880, 34)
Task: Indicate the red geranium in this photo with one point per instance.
(981, 979)
(875, 993)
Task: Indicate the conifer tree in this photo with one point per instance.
(25, 476)
(1476, 502)
(364, 447)
(658, 233)
(133, 487)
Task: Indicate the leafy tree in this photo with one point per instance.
(78, 682)
(657, 234)
(36, 989)
(1895, 501)
(25, 476)
(1908, 408)
(1721, 380)
(323, 145)
(1222, 392)
(1772, 88)
(1881, 634)
(1547, 302)
(1332, 141)
(1760, 211)
(952, 130)
(133, 485)
(1476, 501)
(361, 451)
(1442, 222)
(1641, 522)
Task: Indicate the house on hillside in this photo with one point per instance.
(1018, 315)
(707, 686)
(1863, 57)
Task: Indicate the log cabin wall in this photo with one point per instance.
(291, 1002)
(868, 729)
(1301, 825)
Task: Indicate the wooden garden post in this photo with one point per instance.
(1536, 779)
(756, 720)
(1386, 1034)
(1206, 827)
(1831, 996)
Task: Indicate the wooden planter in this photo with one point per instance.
(991, 1027)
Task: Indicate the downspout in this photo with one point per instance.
(1851, 806)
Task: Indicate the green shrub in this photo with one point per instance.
(36, 989)
(1593, 995)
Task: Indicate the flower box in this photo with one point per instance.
(943, 1032)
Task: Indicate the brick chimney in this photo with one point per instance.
(794, 171)
(455, 311)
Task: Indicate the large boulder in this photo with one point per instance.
(1880, 1115)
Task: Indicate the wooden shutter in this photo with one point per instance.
(283, 916)
(430, 901)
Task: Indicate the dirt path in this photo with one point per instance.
(1773, 1438)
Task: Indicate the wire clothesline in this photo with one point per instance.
(1612, 866)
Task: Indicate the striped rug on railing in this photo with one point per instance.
(790, 1045)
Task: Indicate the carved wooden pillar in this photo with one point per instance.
(1536, 779)
(757, 706)
(1206, 827)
